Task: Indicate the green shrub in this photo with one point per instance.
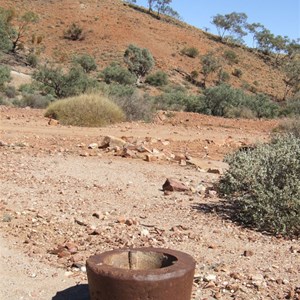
(231, 57)
(4, 75)
(28, 88)
(262, 106)
(292, 107)
(158, 78)
(177, 98)
(74, 33)
(10, 92)
(33, 101)
(190, 52)
(32, 60)
(116, 73)
(263, 185)
(91, 110)
(240, 112)
(86, 61)
(223, 76)
(290, 126)
(237, 72)
(218, 100)
(137, 106)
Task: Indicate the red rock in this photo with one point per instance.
(174, 186)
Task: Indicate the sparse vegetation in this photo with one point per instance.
(91, 110)
(263, 185)
(74, 33)
(231, 57)
(237, 72)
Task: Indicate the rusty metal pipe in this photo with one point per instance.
(141, 274)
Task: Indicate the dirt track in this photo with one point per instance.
(58, 207)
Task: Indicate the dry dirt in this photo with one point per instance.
(62, 202)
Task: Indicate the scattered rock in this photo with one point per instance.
(93, 146)
(111, 142)
(210, 277)
(174, 186)
(248, 253)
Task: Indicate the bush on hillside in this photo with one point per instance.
(32, 60)
(74, 32)
(86, 61)
(158, 78)
(231, 57)
(263, 184)
(190, 52)
(91, 110)
(116, 73)
(4, 75)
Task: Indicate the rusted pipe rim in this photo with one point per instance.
(162, 263)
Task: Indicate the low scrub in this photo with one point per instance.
(114, 73)
(290, 126)
(91, 110)
(263, 184)
(158, 78)
(191, 52)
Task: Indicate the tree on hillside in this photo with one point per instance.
(13, 29)
(139, 61)
(162, 5)
(292, 80)
(6, 29)
(210, 65)
(232, 23)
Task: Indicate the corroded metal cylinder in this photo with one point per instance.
(140, 274)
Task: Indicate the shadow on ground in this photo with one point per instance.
(77, 292)
(220, 208)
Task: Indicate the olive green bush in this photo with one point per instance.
(4, 76)
(91, 110)
(263, 185)
(158, 78)
(118, 74)
(190, 52)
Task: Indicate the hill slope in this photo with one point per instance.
(110, 26)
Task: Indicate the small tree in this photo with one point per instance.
(210, 65)
(12, 36)
(232, 23)
(292, 80)
(139, 61)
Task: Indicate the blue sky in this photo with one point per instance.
(281, 17)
